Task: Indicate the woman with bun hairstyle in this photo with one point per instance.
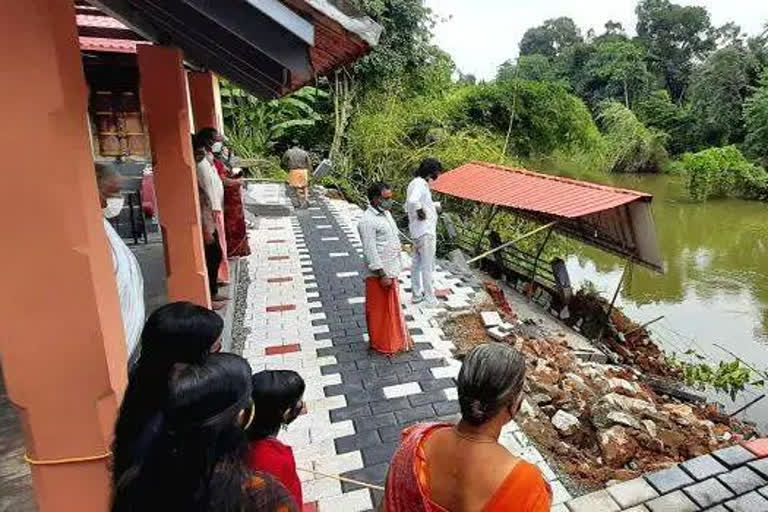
(442, 467)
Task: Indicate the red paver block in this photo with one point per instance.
(282, 349)
(759, 447)
(280, 308)
(278, 258)
(276, 241)
(309, 507)
(443, 293)
(273, 280)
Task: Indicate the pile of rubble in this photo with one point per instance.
(600, 422)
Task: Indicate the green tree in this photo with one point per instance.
(756, 121)
(617, 70)
(674, 36)
(718, 90)
(539, 117)
(405, 45)
(658, 111)
(550, 39)
(527, 67)
(630, 146)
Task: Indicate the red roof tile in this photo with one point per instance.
(100, 44)
(533, 192)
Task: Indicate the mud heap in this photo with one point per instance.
(602, 422)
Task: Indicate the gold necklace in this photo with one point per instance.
(472, 438)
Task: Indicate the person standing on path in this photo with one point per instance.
(211, 245)
(422, 224)
(213, 185)
(130, 282)
(298, 164)
(381, 249)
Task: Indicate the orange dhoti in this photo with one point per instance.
(384, 316)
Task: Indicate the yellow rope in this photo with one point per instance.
(72, 460)
(343, 479)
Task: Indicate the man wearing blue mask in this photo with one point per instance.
(381, 250)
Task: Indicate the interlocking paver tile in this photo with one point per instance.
(632, 492)
(708, 493)
(750, 502)
(669, 479)
(703, 467)
(673, 502)
(733, 456)
(597, 501)
(742, 480)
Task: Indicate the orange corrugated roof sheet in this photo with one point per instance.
(531, 191)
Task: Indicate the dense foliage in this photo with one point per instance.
(756, 120)
(630, 146)
(571, 101)
(723, 172)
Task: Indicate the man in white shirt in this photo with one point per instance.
(422, 223)
(130, 283)
(381, 251)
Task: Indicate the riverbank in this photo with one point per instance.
(595, 422)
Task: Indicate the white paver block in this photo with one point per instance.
(356, 300)
(339, 464)
(490, 318)
(355, 501)
(451, 393)
(409, 388)
(347, 274)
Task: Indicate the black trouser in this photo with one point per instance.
(212, 261)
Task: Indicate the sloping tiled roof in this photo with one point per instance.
(612, 219)
(531, 191)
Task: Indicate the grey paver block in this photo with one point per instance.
(632, 492)
(742, 480)
(733, 456)
(599, 501)
(639, 508)
(761, 466)
(559, 508)
(708, 493)
(703, 467)
(669, 479)
(718, 508)
(751, 502)
(673, 502)
(764, 491)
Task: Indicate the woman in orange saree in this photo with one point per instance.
(462, 468)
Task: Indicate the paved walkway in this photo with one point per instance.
(733, 479)
(305, 311)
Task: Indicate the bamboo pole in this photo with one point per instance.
(511, 242)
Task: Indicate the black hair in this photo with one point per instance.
(428, 167)
(207, 136)
(376, 189)
(275, 392)
(179, 332)
(196, 463)
(490, 379)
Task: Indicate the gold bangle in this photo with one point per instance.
(72, 460)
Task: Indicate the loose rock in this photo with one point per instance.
(565, 422)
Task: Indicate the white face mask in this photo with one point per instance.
(209, 157)
(114, 207)
(216, 148)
